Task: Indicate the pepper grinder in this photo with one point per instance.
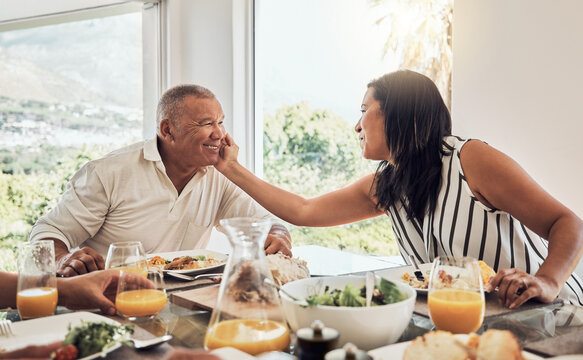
(348, 352)
(314, 342)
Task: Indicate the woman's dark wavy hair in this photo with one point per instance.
(416, 121)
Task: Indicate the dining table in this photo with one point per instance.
(543, 329)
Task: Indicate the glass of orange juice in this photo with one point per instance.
(138, 298)
(456, 295)
(37, 283)
(127, 256)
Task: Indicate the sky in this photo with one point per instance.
(324, 52)
(104, 54)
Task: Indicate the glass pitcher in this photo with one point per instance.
(248, 314)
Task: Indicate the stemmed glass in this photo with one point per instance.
(456, 295)
(127, 256)
(37, 282)
(139, 297)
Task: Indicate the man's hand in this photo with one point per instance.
(278, 239)
(79, 262)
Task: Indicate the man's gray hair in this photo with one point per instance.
(171, 104)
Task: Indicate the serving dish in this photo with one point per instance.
(222, 258)
(46, 330)
(366, 327)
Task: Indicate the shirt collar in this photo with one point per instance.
(151, 150)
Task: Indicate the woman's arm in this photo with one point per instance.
(349, 204)
(499, 182)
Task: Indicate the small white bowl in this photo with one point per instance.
(365, 327)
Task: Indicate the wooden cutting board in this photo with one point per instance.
(205, 298)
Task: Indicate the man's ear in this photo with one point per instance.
(166, 129)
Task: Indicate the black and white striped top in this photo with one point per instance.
(462, 226)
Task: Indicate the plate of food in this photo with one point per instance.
(90, 334)
(406, 275)
(491, 345)
(187, 261)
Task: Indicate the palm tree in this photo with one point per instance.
(420, 35)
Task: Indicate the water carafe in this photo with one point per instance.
(248, 314)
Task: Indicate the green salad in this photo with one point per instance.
(387, 292)
(93, 337)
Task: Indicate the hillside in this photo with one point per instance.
(22, 79)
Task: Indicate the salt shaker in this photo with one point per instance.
(348, 352)
(314, 342)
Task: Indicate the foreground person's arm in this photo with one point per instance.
(501, 183)
(349, 204)
(89, 291)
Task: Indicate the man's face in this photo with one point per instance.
(198, 134)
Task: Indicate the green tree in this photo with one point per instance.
(311, 152)
(24, 198)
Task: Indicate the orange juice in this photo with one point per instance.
(135, 270)
(253, 336)
(36, 302)
(458, 311)
(143, 302)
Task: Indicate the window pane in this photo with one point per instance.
(69, 92)
(313, 60)
(311, 77)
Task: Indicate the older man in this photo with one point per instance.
(163, 192)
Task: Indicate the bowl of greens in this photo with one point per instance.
(340, 303)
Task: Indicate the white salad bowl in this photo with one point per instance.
(365, 327)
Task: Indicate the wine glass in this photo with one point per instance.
(456, 295)
(138, 297)
(127, 256)
(37, 282)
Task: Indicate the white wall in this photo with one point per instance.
(518, 84)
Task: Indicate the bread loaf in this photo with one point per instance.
(438, 345)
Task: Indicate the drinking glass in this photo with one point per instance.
(127, 256)
(456, 295)
(138, 298)
(37, 282)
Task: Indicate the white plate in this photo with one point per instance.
(196, 252)
(49, 329)
(396, 351)
(396, 274)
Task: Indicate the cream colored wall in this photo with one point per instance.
(518, 84)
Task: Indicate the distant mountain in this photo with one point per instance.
(22, 79)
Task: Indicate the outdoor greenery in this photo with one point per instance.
(26, 197)
(311, 152)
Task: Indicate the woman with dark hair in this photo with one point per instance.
(445, 195)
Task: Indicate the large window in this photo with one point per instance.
(70, 92)
(313, 60)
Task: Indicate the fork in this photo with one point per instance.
(6, 328)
